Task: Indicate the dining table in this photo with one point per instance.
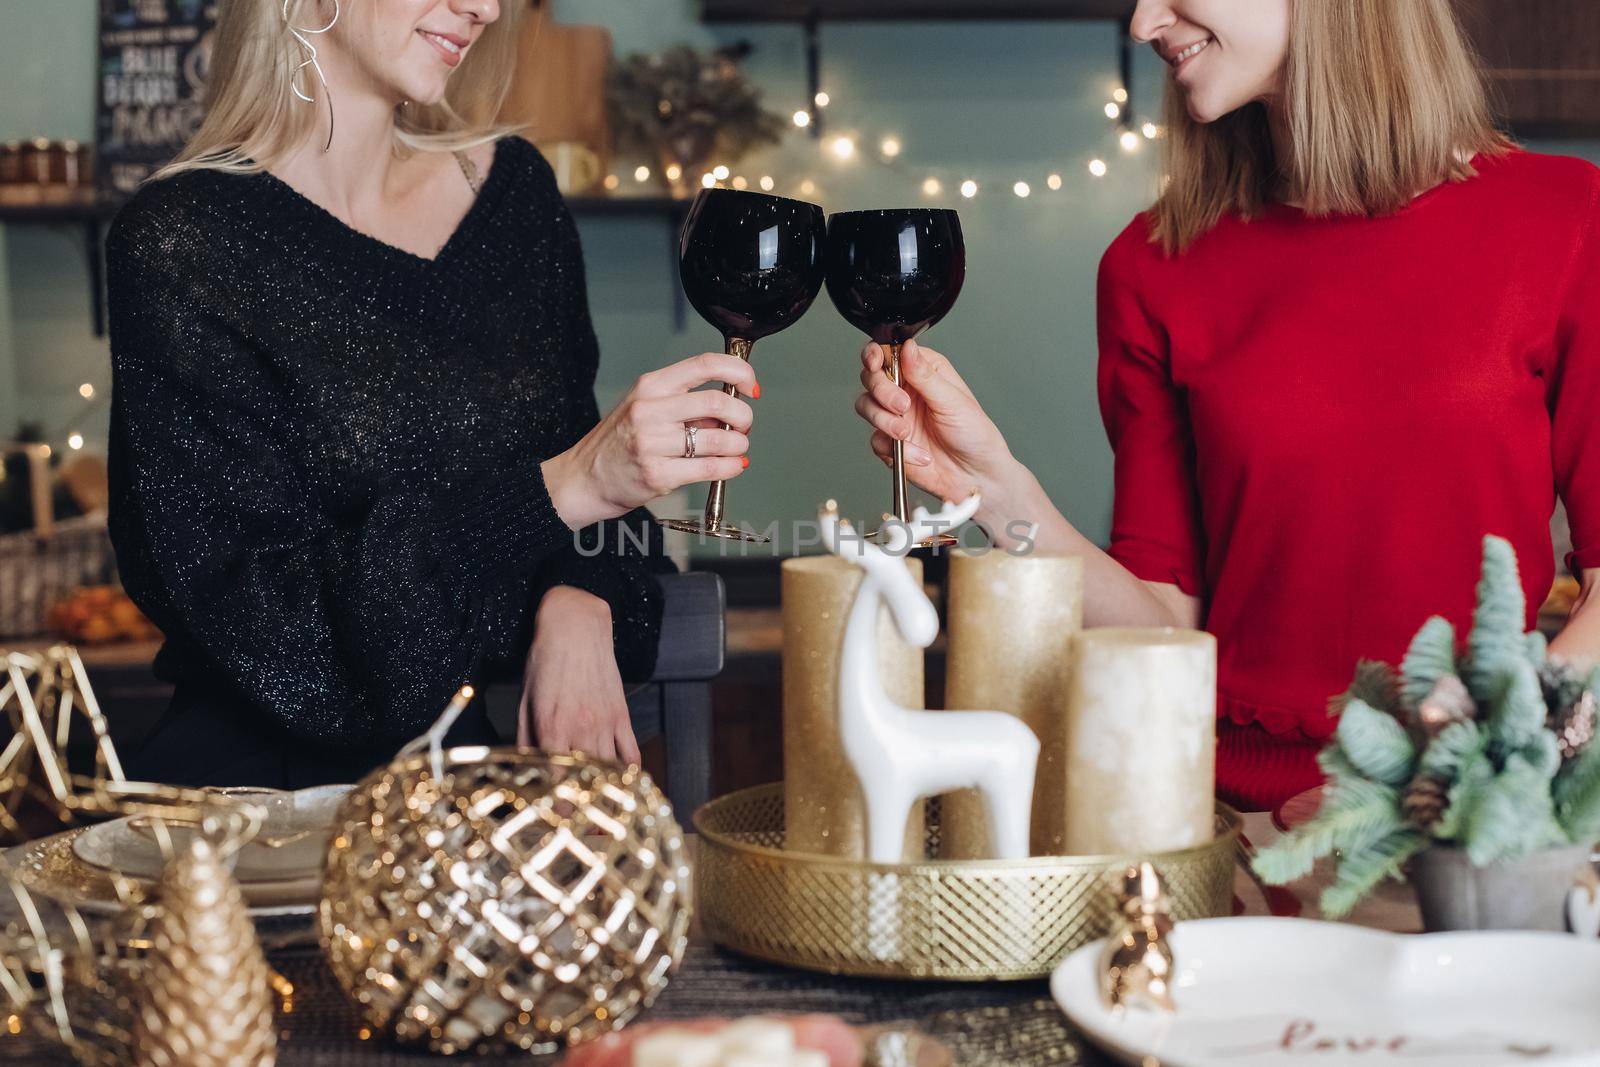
(980, 1024)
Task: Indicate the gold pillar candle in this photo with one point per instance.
(823, 808)
(1141, 711)
(1010, 625)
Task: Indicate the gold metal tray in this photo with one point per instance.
(960, 920)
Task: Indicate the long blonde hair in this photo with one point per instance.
(1382, 99)
(253, 119)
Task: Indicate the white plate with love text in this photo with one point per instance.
(1278, 992)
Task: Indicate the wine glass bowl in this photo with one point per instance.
(751, 264)
(892, 274)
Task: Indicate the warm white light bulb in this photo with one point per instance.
(1021, 189)
(86, 391)
(1120, 95)
(802, 119)
(767, 183)
(969, 188)
(932, 187)
(890, 147)
(674, 172)
(642, 174)
(1112, 111)
(808, 188)
(739, 182)
(1151, 131)
(720, 172)
(611, 182)
(708, 180)
(1130, 140)
(1054, 182)
(823, 99)
(75, 442)
(1097, 167)
(843, 147)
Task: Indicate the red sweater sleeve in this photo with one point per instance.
(1155, 526)
(1574, 391)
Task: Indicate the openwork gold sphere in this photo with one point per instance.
(521, 900)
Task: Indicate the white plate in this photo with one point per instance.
(1292, 991)
(290, 850)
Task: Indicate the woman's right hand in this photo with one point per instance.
(952, 447)
(636, 453)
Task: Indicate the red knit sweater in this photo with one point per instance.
(1316, 421)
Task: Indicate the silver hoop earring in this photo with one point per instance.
(301, 34)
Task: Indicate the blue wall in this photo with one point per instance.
(997, 102)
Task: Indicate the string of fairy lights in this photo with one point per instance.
(888, 150)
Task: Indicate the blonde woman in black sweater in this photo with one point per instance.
(354, 437)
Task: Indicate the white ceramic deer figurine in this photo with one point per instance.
(901, 755)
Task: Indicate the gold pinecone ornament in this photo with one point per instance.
(1446, 703)
(1574, 725)
(1425, 800)
(206, 999)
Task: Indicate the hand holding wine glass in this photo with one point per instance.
(636, 453)
(951, 445)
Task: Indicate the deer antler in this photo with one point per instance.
(924, 524)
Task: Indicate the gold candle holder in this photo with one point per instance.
(1141, 719)
(1011, 620)
(824, 811)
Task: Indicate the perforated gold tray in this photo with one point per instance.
(952, 920)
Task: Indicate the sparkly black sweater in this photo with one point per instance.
(325, 481)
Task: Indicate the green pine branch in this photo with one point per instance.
(1360, 873)
(1496, 641)
(1432, 655)
(1577, 795)
(1376, 743)
(1355, 813)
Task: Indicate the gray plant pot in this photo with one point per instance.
(1525, 894)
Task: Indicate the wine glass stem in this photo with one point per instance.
(898, 448)
(734, 346)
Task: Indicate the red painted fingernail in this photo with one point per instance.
(744, 461)
(755, 391)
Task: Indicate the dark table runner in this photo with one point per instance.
(998, 1024)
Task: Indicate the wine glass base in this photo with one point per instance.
(943, 540)
(699, 528)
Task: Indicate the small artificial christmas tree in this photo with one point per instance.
(1488, 751)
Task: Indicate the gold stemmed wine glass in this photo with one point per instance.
(751, 264)
(892, 274)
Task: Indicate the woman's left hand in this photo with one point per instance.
(572, 695)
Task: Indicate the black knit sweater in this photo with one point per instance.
(325, 481)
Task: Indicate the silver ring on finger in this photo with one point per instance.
(689, 432)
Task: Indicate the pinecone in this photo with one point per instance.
(1574, 724)
(1447, 702)
(205, 998)
(1425, 800)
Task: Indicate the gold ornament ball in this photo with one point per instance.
(520, 901)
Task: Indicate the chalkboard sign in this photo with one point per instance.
(154, 58)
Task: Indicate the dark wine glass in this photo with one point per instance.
(893, 274)
(751, 264)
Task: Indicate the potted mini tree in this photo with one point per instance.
(1471, 769)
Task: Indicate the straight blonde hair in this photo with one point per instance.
(253, 119)
(1383, 99)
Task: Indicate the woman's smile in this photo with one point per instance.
(450, 46)
(1179, 58)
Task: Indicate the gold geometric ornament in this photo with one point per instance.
(41, 695)
(481, 899)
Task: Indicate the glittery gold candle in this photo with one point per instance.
(823, 807)
(1010, 625)
(1141, 711)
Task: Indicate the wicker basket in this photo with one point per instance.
(37, 570)
(942, 919)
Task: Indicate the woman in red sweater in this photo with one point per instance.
(1358, 332)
